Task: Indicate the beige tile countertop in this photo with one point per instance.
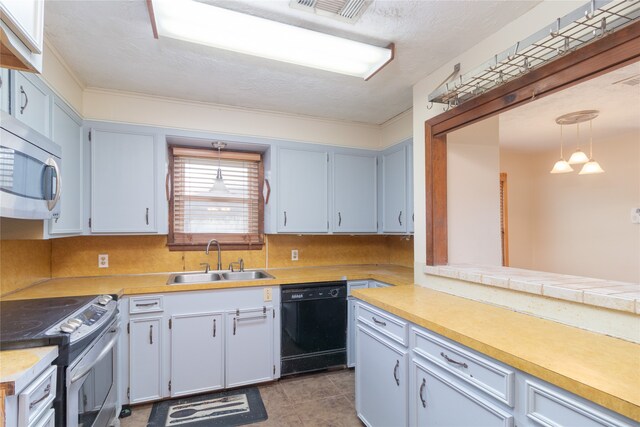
(157, 283)
(597, 367)
(19, 367)
(614, 295)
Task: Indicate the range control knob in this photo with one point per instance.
(334, 292)
(67, 328)
(76, 323)
(104, 299)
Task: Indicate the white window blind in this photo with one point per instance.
(199, 213)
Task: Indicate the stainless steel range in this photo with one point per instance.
(85, 329)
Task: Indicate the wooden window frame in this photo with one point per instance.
(222, 237)
(597, 58)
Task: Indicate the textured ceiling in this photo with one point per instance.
(109, 44)
(533, 128)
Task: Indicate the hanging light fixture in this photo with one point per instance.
(561, 165)
(578, 157)
(219, 188)
(591, 167)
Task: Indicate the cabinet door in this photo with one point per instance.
(381, 380)
(438, 400)
(354, 194)
(410, 208)
(394, 191)
(145, 359)
(4, 90)
(249, 347)
(31, 104)
(302, 191)
(123, 182)
(26, 20)
(197, 357)
(67, 134)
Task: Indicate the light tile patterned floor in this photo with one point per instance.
(323, 399)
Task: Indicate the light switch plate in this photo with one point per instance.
(294, 254)
(268, 294)
(103, 261)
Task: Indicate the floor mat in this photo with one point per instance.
(228, 408)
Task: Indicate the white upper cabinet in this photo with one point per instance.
(123, 182)
(67, 133)
(22, 25)
(354, 193)
(394, 191)
(31, 103)
(302, 191)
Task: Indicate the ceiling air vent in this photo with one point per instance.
(629, 81)
(342, 10)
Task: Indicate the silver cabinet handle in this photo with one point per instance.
(285, 218)
(378, 322)
(400, 218)
(395, 372)
(146, 304)
(26, 100)
(448, 359)
(147, 216)
(150, 334)
(235, 325)
(214, 328)
(339, 219)
(47, 392)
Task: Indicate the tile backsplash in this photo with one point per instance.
(26, 261)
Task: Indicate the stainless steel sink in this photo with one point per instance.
(246, 275)
(199, 277)
(189, 278)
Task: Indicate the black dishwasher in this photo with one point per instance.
(314, 326)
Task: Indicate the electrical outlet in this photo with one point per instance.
(294, 254)
(268, 294)
(635, 216)
(103, 261)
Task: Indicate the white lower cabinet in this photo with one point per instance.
(437, 399)
(197, 353)
(450, 385)
(381, 380)
(145, 359)
(183, 343)
(249, 347)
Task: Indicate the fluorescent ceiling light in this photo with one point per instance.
(201, 23)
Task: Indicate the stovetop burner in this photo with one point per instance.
(27, 319)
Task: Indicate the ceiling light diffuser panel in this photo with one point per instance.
(220, 28)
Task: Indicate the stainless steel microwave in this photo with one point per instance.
(30, 184)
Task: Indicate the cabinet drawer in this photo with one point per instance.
(550, 408)
(385, 323)
(37, 397)
(146, 304)
(489, 377)
(48, 419)
(360, 284)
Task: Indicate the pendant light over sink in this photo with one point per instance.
(578, 157)
(219, 188)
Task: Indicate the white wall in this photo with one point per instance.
(126, 107)
(580, 225)
(473, 194)
(61, 78)
(396, 130)
(519, 29)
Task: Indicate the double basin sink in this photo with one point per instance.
(217, 276)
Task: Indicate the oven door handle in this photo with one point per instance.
(85, 371)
